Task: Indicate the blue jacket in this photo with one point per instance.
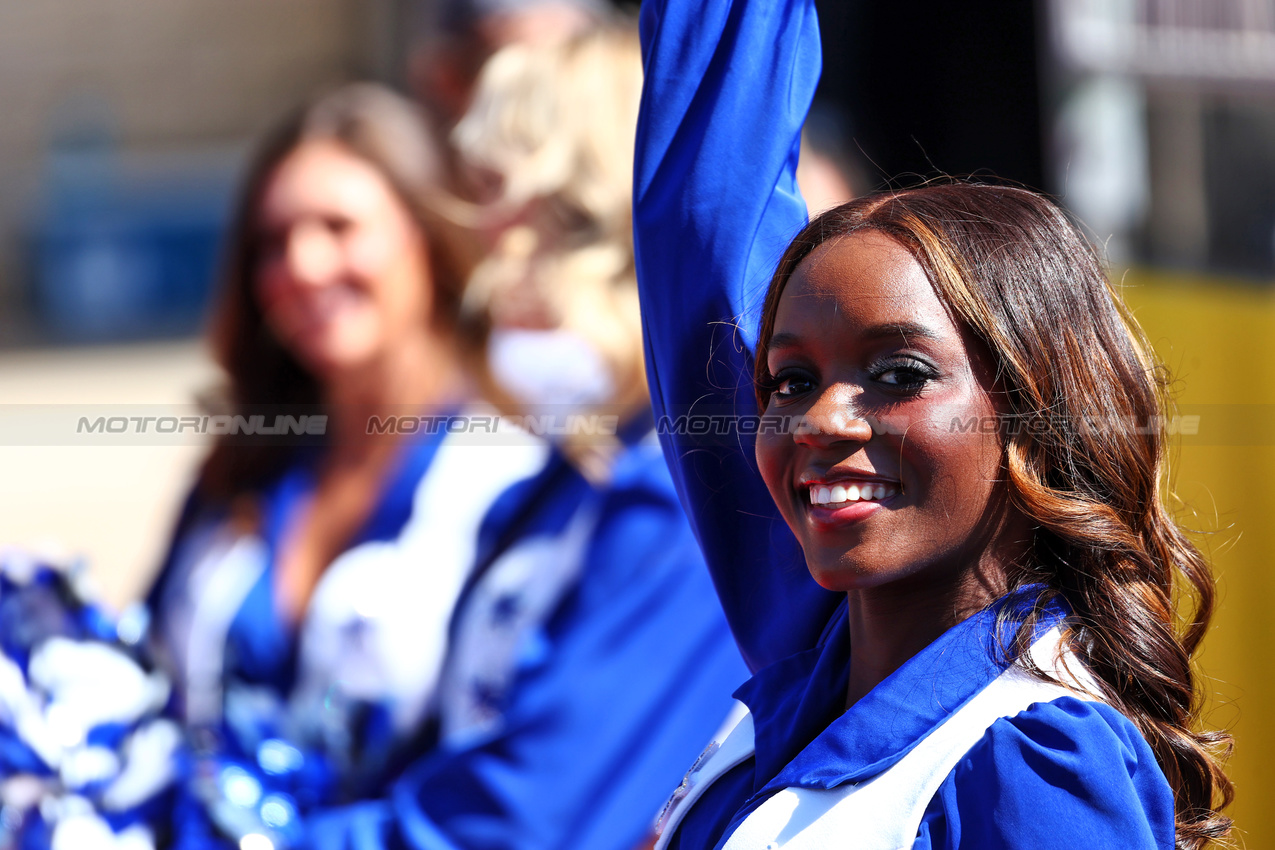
(616, 669)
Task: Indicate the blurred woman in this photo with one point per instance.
(340, 310)
(440, 591)
(548, 144)
(591, 651)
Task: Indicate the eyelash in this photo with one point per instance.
(921, 373)
(784, 376)
(918, 372)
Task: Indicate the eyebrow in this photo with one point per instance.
(906, 330)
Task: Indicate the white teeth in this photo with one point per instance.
(839, 494)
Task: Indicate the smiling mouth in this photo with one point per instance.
(832, 495)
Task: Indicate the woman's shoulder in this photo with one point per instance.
(640, 499)
(640, 530)
(640, 467)
(1063, 773)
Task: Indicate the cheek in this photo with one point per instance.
(394, 266)
(956, 472)
(371, 255)
(958, 436)
(774, 455)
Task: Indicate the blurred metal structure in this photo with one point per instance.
(1220, 42)
(1161, 128)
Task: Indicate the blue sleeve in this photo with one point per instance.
(1061, 775)
(633, 678)
(728, 84)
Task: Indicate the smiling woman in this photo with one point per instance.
(340, 303)
(1005, 660)
(342, 265)
(860, 333)
(341, 277)
(378, 637)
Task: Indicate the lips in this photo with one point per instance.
(835, 486)
(840, 493)
(835, 506)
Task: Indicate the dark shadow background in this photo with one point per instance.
(936, 87)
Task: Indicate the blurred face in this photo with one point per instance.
(861, 333)
(343, 275)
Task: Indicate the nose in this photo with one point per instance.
(311, 254)
(833, 418)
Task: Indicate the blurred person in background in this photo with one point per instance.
(529, 626)
(592, 651)
(444, 68)
(341, 301)
(547, 147)
(829, 171)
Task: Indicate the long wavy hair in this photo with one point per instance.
(392, 135)
(1017, 273)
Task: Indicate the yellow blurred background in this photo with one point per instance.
(1216, 338)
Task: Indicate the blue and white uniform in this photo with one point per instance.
(527, 660)
(954, 750)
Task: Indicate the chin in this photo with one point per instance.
(855, 569)
(329, 358)
(841, 578)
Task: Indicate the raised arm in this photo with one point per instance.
(728, 84)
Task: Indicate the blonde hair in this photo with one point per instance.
(554, 126)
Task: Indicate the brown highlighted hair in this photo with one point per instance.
(1017, 273)
(391, 134)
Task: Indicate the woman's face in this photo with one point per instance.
(342, 275)
(913, 492)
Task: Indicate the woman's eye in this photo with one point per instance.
(338, 225)
(791, 386)
(905, 376)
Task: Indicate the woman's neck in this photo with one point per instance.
(415, 374)
(419, 372)
(889, 625)
(892, 623)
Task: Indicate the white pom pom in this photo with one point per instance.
(149, 765)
